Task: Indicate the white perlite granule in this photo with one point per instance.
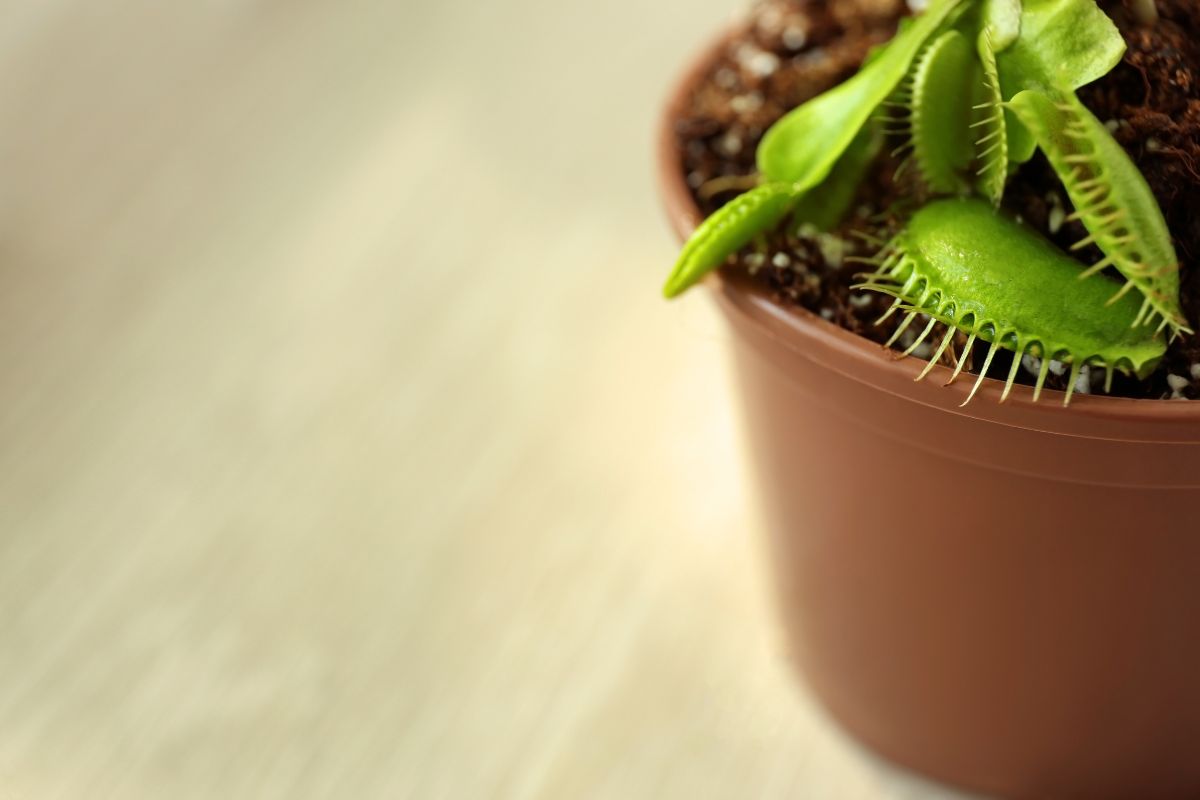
(1178, 383)
(1083, 384)
(1058, 214)
(833, 249)
(1057, 368)
(923, 351)
(757, 62)
(1057, 217)
(746, 103)
(794, 37)
(1031, 364)
(730, 144)
(862, 300)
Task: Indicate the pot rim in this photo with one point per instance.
(798, 329)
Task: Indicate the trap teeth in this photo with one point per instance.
(960, 254)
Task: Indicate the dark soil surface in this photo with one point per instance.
(792, 50)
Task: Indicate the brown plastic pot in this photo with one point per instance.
(1006, 596)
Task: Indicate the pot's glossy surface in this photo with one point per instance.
(1003, 596)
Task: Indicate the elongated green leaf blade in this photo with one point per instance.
(803, 146)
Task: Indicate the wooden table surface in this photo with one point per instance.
(346, 447)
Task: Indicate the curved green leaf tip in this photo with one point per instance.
(759, 210)
(730, 229)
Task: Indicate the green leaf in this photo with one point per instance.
(943, 81)
(988, 276)
(1063, 44)
(759, 210)
(992, 144)
(825, 206)
(803, 147)
(1021, 144)
(731, 228)
(1003, 19)
(1111, 199)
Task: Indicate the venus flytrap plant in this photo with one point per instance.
(1061, 45)
(1065, 44)
(972, 88)
(960, 263)
(994, 130)
(802, 150)
(1002, 22)
(749, 215)
(1112, 200)
(934, 102)
(791, 152)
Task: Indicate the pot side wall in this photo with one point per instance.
(1002, 631)
(1006, 597)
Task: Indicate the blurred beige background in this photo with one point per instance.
(346, 449)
